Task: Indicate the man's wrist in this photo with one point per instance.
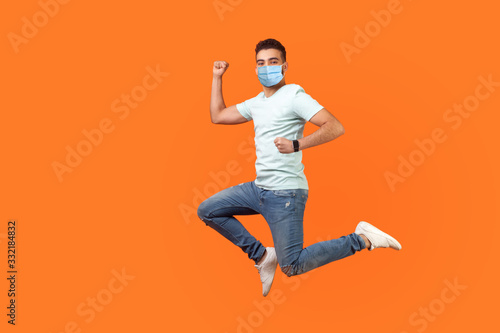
(296, 145)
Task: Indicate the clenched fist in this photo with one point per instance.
(220, 67)
(284, 146)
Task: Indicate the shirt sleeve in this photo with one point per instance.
(244, 110)
(304, 105)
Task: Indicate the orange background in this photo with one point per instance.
(122, 206)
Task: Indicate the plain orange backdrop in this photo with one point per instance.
(130, 203)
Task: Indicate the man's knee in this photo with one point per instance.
(203, 210)
(288, 270)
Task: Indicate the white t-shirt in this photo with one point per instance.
(284, 114)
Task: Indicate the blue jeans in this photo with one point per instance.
(284, 211)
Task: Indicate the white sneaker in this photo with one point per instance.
(377, 237)
(266, 269)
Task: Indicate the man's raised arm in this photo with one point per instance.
(219, 114)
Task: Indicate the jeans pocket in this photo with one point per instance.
(284, 193)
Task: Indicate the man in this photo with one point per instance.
(280, 191)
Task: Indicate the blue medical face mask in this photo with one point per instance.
(269, 75)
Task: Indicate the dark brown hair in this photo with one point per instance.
(271, 43)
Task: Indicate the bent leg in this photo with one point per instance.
(218, 212)
(284, 212)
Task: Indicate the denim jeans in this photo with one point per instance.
(284, 211)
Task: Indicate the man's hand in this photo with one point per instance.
(285, 146)
(219, 68)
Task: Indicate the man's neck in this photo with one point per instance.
(269, 91)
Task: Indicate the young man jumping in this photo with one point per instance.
(280, 190)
